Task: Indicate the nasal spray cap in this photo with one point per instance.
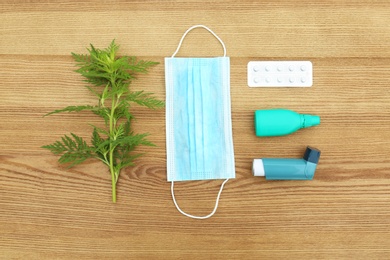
(278, 122)
(288, 169)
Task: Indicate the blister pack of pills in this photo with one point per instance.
(280, 74)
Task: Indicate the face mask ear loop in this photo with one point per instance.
(199, 26)
(198, 217)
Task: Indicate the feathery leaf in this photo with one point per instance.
(71, 109)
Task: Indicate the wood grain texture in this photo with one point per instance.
(50, 212)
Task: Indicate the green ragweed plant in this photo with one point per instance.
(109, 77)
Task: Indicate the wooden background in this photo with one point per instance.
(50, 212)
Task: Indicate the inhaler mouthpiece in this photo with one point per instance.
(258, 167)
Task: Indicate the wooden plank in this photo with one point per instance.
(50, 212)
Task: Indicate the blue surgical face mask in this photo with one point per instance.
(198, 119)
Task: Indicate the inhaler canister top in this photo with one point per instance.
(312, 155)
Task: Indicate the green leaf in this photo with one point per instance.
(103, 112)
(133, 140)
(140, 66)
(74, 150)
(123, 111)
(100, 130)
(127, 128)
(95, 75)
(112, 49)
(96, 139)
(56, 148)
(74, 158)
(93, 91)
(128, 160)
(101, 151)
(145, 99)
(120, 130)
(71, 109)
(81, 58)
(97, 81)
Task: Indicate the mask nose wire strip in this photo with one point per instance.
(199, 26)
(199, 217)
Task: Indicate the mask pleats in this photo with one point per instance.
(201, 133)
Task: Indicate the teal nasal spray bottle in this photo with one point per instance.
(278, 122)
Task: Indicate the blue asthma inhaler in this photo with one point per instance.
(288, 169)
